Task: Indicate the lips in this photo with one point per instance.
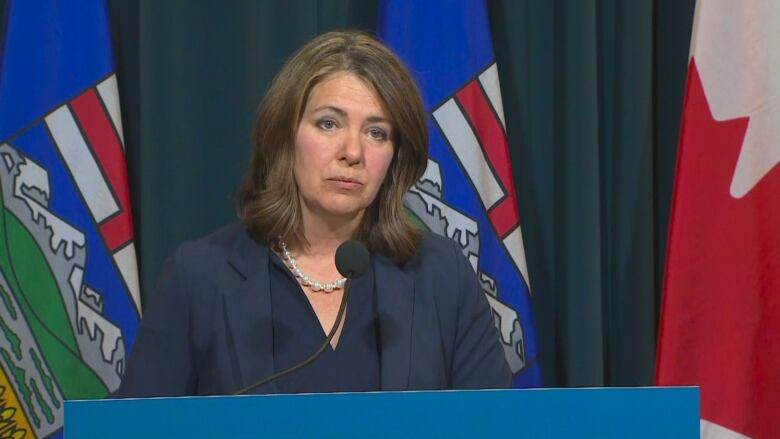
(345, 182)
(345, 179)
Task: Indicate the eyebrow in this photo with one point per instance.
(341, 112)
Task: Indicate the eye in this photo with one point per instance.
(377, 133)
(327, 124)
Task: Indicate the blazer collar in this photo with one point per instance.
(247, 299)
(395, 305)
(248, 303)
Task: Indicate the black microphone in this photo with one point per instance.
(351, 261)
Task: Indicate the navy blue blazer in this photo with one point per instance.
(207, 328)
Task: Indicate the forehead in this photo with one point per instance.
(345, 89)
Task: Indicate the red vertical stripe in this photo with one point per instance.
(504, 215)
(104, 143)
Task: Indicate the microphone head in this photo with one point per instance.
(352, 259)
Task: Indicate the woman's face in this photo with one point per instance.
(343, 148)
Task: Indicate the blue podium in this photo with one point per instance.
(647, 412)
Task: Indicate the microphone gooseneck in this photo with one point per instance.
(352, 260)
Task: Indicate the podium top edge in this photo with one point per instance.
(641, 389)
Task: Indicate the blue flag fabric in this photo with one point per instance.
(467, 192)
(69, 298)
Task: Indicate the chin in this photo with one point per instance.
(343, 211)
(343, 206)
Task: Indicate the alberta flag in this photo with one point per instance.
(467, 192)
(69, 299)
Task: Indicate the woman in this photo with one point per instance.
(339, 139)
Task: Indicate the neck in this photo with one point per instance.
(325, 235)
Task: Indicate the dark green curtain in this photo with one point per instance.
(592, 92)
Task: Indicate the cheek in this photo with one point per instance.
(380, 163)
(305, 153)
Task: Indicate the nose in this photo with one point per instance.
(352, 148)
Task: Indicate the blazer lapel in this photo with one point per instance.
(247, 299)
(395, 305)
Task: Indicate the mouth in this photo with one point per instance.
(345, 182)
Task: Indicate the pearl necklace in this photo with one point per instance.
(303, 278)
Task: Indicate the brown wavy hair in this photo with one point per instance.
(268, 199)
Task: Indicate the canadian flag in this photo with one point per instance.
(720, 321)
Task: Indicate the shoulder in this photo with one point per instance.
(440, 267)
(200, 269)
(224, 252)
(215, 247)
(436, 252)
(435, 243)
